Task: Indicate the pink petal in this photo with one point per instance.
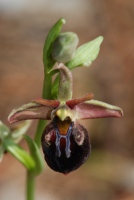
(73, 102)
(46, 102)
(96, 109)
(30, 111)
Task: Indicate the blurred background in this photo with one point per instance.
(109, 172)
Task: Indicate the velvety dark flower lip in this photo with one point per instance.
(65, 142)
(69, 153)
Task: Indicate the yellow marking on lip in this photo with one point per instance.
(63, 126)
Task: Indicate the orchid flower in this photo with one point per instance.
(65, 142)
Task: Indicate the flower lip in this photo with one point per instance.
(62, 126)
(65, 153)
(66, 136)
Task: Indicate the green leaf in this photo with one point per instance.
(20, 129)
(52, 35)
(4, 130)
(20, 154)
(36, 154)
(86, 53)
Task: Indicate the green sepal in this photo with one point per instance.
(65, 83)
(20, 154)
(52, 35)
(86, 54)
(36, 154)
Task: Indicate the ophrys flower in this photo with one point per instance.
(65, 141)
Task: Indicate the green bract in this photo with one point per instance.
(86, 53)
(51, 37)
(36, 155)
(20, 154)
(84, 56)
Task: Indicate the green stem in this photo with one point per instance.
(46, 94)
(47, 86)
(40, 128)
(30, 185)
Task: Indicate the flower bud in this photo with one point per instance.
(64, 47)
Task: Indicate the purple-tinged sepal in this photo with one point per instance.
(96, 109)
(30, 111)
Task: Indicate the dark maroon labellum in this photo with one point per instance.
(66, 145)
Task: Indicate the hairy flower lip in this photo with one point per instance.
(65, 154)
